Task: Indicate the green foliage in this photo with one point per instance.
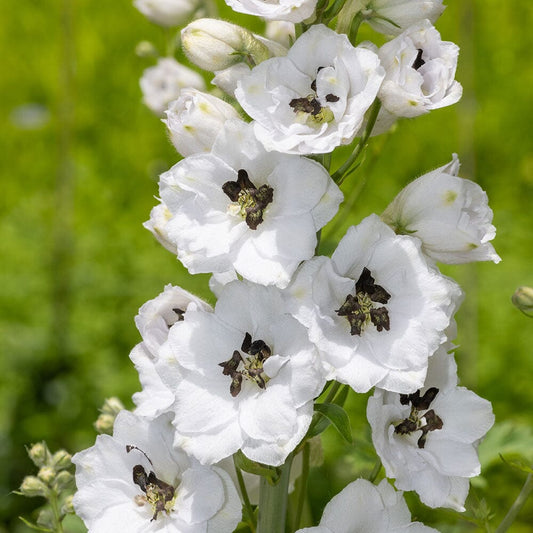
(79, 165)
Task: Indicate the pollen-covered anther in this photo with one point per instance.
(251, 201)
(251, 367)
(360, 310)
(421, 417)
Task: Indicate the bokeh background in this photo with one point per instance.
(80, 156)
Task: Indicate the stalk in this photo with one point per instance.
(273, 502)
(510, 517)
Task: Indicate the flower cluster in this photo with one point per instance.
(246, 203)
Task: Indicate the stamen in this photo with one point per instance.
(418, 62)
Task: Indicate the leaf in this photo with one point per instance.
(337, 416)
(34, 526)
(252, 467)
(518, 464)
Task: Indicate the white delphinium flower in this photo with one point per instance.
(315, 98)
(167, 13)
(244, 377)
(367, 508)
(420, 72)
(281, 31)
(194, 120)
(137, 482)
(163, 83)
(376, 310)
(394, 16)
(242, 208)
(428, 440)
(449, 214)
(153, 322)
(288, 10)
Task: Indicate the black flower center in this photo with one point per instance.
(252, 201)
(421, 417)
(311, 105)
(159, 494)
(250, 367)
(418, 62)
(360, 309)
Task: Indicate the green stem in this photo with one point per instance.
(273, 502)
(332, 392)
(349, 19)
(517, 505)
(302, 489)
(375, 472)
(248, 510)
(53, 500)
(340, 174)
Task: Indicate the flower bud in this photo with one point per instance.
(61, 460)
(194, 120)
(67, 507)
(281, 31)
(104, 424)
(63, 480)
(216, 45)
(157, 225)
(166, 13)
(33, 486)
(112, 406)
(146, 49)
(39, 453)
(523, 300)
(47, 474)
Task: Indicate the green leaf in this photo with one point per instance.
(337, 416)
(34, 526)
(247, 465)
(519, 463)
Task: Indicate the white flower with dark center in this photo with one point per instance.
(137, 482)
(362, 507)
(420, 71)
(244, 377)
(376, 310)
(315, 98)
(428, 440)
(449, 214)
(394, 16)
(153, 322)
(244, 209)
(163, 83)
(288, 10)
(194, 120)
(167, 12)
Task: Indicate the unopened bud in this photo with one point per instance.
(146, 49)
(39, 453)
(47, 474)
(216, 45)
(67, 507)
(63, 480)
(112, 406)
(61, 460)
(33, 486)
(104, 424)
(523, 300)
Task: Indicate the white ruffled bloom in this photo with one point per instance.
(244, 377)
(428, 441)
(315, 98)
(376, 310)
(166, 12)
(394, 16)
(420, 72)
(287, 10)
(153, 322)
(367, 508)
(163, 83)
(449, 214)
(244, 209)
(194, 120)
(137, 482)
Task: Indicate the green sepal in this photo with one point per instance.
(271, 473)
(34, 526)
(337, 416)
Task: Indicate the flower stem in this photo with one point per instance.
(517, 505)
(54, 504)
(302, 489)
(273, 502)
(248, 510)
(341, 173)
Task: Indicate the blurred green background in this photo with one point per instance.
(79, 166)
